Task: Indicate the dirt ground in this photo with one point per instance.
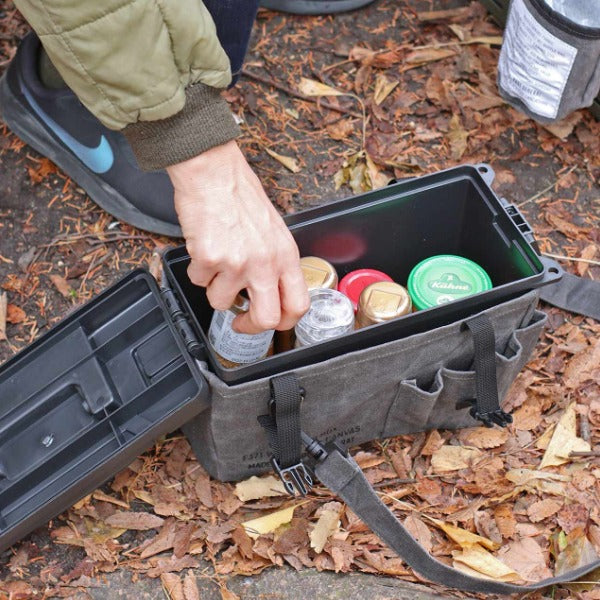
(58, 250)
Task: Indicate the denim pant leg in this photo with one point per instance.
(234, 20)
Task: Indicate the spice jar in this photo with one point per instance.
(330, 315)
(444, 278)
(381, 302)
(232, 348)
(355, 282)
(318, 274)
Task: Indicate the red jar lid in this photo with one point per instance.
(356, 281)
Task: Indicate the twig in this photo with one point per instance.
(397, 480)
(290, 92)
(547, 188)
(572, 258)
(590, 454)
(584, 427)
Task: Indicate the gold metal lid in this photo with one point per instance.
(241, 304)
(382, 301)
(318, 273)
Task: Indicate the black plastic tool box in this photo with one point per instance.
(85, 399)
(392, 229)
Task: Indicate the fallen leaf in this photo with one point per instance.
(287, 161)
(583, 367)
(578, 552)
(564, 127)
(419, 531)
(567, 228)
(465, 539)
(257, 527)
(538, 511)
(524, 476)
(457, 136)
(426, 55)
(481, 561)
(190, 587)
(527, 417)
(564, 440)
(341, 129)
(61, 284)
(383, 88)
(137, 521)
(328, 523)
(588, 253)
(310, 87)
(259, 487)
(15, 314)
(505, 520)
(227, 594)
(172, 586)
(527, 558)
(482, 102)
(573, 517)
(376, 178)
(3, 311)
(484, 437)
(453, 458)
(100, 495)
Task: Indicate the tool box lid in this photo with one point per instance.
(85, 399)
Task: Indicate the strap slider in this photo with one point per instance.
(296, 479)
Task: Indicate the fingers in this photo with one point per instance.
(264, 313)
(222, 290)
(294, 298)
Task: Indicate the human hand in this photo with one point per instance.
(237, 240)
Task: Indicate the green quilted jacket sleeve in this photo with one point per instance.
(152, 68)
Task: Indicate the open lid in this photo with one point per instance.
(84, 400)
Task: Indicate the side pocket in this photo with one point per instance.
(410, 410)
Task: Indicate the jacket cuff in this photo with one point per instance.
(204, 122)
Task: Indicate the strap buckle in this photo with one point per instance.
(296, 479)
(490, 418)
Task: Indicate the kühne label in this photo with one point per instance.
(534, 64)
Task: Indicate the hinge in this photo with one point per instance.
(521, 222)
(193, 345)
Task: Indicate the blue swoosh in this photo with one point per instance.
(99, 159)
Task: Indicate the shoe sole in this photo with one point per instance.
(25, 126)
(314, 7)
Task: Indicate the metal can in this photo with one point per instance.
(318, 274)
(444, 278)
(330, 315)
(234, 349)
(381, 302)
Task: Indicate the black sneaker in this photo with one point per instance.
(314, 7)
(57, 125)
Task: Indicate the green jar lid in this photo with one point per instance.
(445, 278)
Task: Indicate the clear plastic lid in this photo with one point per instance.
(330, 314)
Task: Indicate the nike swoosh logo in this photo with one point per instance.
(99, 159)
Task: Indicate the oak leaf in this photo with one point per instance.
(269, 523)
(453, 458)
(259, 487)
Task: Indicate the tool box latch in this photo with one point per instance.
(521, 222)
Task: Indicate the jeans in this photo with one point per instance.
(234, 20)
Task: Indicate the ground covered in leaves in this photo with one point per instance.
(333, 106)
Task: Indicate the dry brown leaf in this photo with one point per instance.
(326, 526)
(376, 178)
(525, 476)
(482, 102)
(481, 561)
(584, 366)
(383, 88)
(457, 136)
(172, 586)
(538, 511)
(567, 228)
(588, 253)
(564, 128)
(3, 311)
(484, 437)
(465, 539)
(419, 531)
(423, 56)
(15, 314)
(137, 521)
(256, 527)
(287, 161)
(61, 284)
(453, 458)
(505, 520)
(341, 129)
(310, 87)
(527, 558)
(259, 487)
(564, 440)
(528, 416)
(577, 552)
(190, 587)
(433, 443)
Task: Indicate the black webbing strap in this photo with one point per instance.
(576, 294)
(340, 473)
(283, 429)
(487, 405)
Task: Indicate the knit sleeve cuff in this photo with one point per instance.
(204, 122)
